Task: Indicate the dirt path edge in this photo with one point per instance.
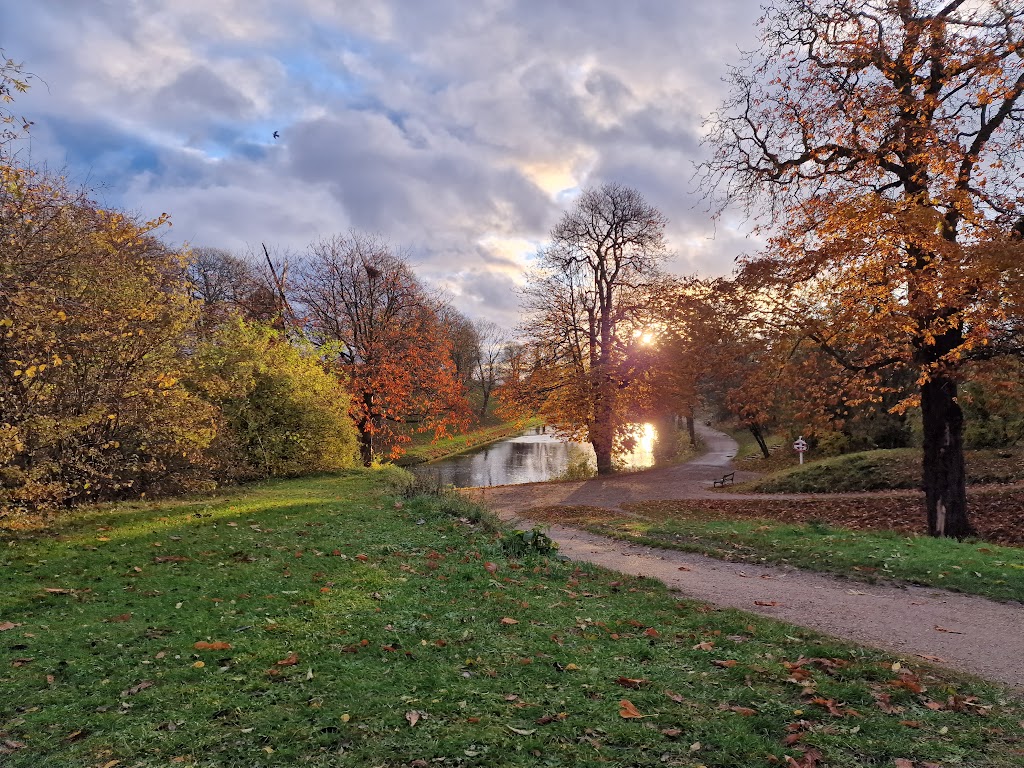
(964, 632)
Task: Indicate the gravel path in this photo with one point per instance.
(967, 633)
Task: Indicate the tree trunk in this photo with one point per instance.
(365, 428)
(691, 430)
(755, 430)
(943, 474)
(365, 443)
(603, 450)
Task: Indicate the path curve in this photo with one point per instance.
(967, 633)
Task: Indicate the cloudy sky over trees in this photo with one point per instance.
(459, 131)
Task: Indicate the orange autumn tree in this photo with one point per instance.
(881, 141)
(364, 305)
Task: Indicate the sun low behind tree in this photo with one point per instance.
(589, 293)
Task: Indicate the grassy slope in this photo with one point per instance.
(424, 448)
(976, 568)
(877, 470)
(394, 613)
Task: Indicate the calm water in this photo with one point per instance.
(529, 458)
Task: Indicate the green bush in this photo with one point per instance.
(282, 414)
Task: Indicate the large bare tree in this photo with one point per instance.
(584, 301)
(881, 141)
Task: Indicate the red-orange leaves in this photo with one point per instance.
(218, 645)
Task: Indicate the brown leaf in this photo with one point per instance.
(672, 733)
(651, 632)
(171, 559)
(767, 603)
(119, 619)
(705, 646)
(507, 621)
(218, 645)
(809, 759)
(902, 762)
(58, 591)
(727, 663)
(628, 711)
(636, 683)
(911, 723)
(675, 697)
(136, 688)
(744, 711)
(491, 567)
(362, 558)
(289, 661)
(8, 625)
(413, 717)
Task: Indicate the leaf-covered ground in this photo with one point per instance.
(325, 622)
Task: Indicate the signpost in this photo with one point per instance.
(800, 445)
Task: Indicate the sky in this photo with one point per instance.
(459, 130)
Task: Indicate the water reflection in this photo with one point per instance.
(532, 457)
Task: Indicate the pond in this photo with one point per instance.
(532, 457)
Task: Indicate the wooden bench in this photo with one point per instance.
(725, 479)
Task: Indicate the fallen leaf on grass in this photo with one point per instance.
(911, 723)
(119, 619)
(491, 567)
(362, 558)
(651, 632)
(705, 646)
(136, 688)
(744, 711)
(58, 591)
(289, 661)
(628, 711)
(8, 625)
(508, 621)
(636, 683)
(672, 733)
(218, 645)
(726, 663)
(520, 731)
(809, 759)
(413, 717)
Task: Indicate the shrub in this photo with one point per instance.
(282, 414)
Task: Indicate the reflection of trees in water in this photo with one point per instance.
(531, 458)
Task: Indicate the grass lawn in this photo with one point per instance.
(979, 568)
(872, 471)
(424, 448)
(327, 622)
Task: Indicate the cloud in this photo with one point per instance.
(457, 131)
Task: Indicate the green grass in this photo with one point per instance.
(392, 611)
(864, 471)
(892, 469)
(424, 448)
(976, 568)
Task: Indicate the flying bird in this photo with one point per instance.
(277, 135)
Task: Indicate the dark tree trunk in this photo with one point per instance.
(365, 428)
(943, 473)
(755, 430)
(365, 443)
(691, 430)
